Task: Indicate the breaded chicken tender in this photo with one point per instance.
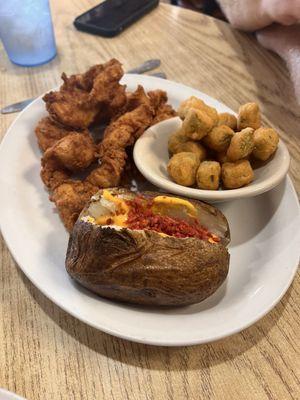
(120, 134)
(53, 174)
(82, 97)
(249, 116)
(241, 145)
(265, 143)
(163, 110)
(182, 168)
(74, 152)
(48, 132)
(236, 175)
(70, 198)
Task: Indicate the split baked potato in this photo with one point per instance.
(149, 248)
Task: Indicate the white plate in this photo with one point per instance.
(264, 249)
(151, 157)
(6, 395)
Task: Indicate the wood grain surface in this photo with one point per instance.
(47, 354)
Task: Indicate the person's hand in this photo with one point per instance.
(285, 41)
(285, 12)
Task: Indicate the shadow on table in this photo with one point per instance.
(158, 357)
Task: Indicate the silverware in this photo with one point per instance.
(16, 107)
(148, 65)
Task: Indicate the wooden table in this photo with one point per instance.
(47, 354)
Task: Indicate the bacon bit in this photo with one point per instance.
(141, 217)
(109, 221)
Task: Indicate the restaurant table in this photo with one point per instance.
(46, 353)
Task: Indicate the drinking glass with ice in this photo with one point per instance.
(26, 31)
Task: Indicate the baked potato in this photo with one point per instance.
(150, 248)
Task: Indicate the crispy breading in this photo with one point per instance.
(52, 174)
(163, 110)
(74, 152)
(95, 96)
(120, 134)
(83, 97)
(70, 198)
(48, 132)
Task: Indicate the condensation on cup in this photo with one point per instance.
(26, 31)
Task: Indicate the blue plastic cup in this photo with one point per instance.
(26, 31)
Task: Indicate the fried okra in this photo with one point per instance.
(179, 143)
(175, 142)
(228, 120)
(249, 116)
(222, 157)
(208, 175)
(182, 168)
(218, 139)
(196, 124)
(198, 104)
(241, 145)
(236, 175)
(265, 143)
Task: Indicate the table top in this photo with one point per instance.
(46, 353)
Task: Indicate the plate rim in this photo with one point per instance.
(11, 395)
(156, 342)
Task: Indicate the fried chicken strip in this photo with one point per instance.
(52, 174)
(82, 98)
(75, 152)
(120, 134)
(163, 110)
(70, 198)
(48, 132)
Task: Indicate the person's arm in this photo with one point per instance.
(251, 15)
(285, 41)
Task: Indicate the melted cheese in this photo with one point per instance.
(175, 201)
(121, 205)
(123, 208)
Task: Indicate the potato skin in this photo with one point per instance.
(145, 267)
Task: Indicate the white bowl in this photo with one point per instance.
(151, 157)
